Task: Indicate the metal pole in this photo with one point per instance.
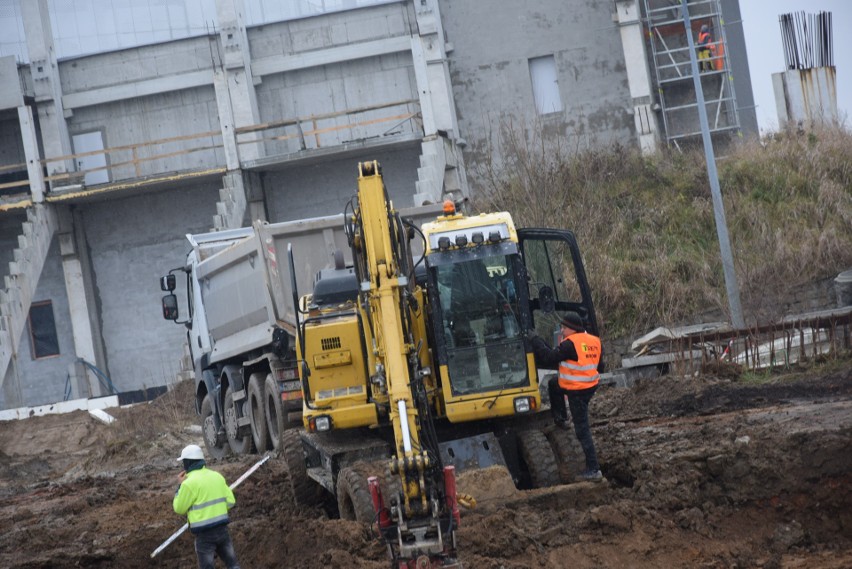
(718, 206)
(236, 483)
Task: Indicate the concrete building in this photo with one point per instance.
(125, 125)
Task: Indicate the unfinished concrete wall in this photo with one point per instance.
(43, 380)
(145, 119)
(335, 64)
(331, 30)
(129, 253)
(490, 72)
(324, 188)
(83, 75)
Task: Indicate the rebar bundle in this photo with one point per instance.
(807, 40)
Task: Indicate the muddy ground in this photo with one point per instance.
(701, 472)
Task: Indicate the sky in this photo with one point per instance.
(766, 53)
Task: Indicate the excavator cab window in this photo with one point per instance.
(479, 314)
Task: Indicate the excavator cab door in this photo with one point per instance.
(556, 279)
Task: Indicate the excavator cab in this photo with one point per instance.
(488, 283)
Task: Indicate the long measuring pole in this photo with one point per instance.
(236, 483)
(731, 285)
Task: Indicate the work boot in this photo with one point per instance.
(590, 476)
(561, 424)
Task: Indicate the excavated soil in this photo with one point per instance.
(703, 472)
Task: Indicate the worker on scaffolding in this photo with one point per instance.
(706, 49)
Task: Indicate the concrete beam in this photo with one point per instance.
(138, 89)
(272, 65)
(628, 16)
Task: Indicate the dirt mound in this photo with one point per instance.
(700, 473)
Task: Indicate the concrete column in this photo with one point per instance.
(429, 52)
(236, 65)
(30, 140)
(78, 304)
(46, 84)
(226, 120)
(638, 74)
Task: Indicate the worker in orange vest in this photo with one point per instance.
(577, 355)
(706, 49)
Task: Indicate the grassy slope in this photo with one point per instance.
(646, 228)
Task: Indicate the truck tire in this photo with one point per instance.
(538, 459)
(354, 501)
(306, 492)
(214, 441)
(257, 413)
(276, 421)
(240, 445)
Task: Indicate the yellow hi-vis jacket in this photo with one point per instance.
(583, 373)
(204, 497)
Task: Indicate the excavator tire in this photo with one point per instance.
(214, 442)
(305, 491)
(538, 458)
(240, 445)
(275, 419)
(569, 456)
(353, 497)
(257, 412)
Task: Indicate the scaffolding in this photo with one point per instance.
(673, 71)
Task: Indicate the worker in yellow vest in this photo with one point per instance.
(205, 498)
(577, 355)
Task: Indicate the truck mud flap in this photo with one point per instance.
(479, 451)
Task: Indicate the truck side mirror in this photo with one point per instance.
(545, 299)
(167, 283)
(170, 307)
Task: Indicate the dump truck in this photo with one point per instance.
(381, 352)
(241, 324)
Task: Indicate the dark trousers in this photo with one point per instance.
(578, 403)
(212, 542)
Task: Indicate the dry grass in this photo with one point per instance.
(646, 228)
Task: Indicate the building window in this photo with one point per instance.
(545, 85)
(43, 338)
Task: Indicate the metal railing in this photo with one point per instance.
(769, 347)
(273, 138)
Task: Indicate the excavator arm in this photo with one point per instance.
(419, 523)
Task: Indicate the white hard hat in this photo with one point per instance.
(191, 452)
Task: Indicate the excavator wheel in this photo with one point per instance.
(569, 455)
(538, 458)
(214, 442)
(353, 497)
(240, 445)
(276, 422)
(257, 413)
(306, 492)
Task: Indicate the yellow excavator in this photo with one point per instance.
(415, 363)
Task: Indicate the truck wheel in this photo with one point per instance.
(353, 497)
(240, 445)
(256, 406)
(214, 441)
(305, 491)
(538, 459)
(274, 411)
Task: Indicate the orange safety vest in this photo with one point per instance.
(704, 41)
(583, 373)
